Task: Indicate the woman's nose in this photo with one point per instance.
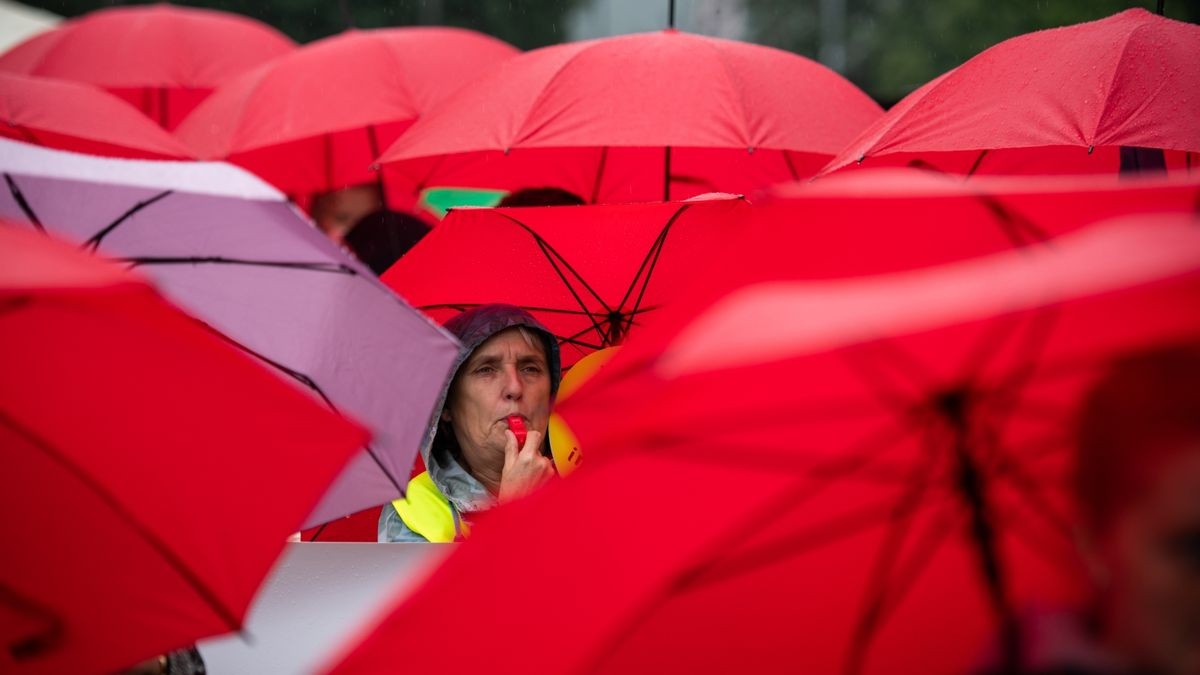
(513, 387)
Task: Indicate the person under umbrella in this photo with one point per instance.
(509, 367)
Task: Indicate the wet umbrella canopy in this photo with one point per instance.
(1070, 100)
(316, 119)
(230, 250)
(879, 490)
(136, 446)
(73, 116)
(591, 274)
(665, 115)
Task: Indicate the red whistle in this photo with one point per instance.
(517, 425)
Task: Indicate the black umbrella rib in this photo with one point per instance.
(551, 254)
(975, 165)
(902, 581)
(782, 499)
(464, 306)
(309, 382)
(1013, 224)
(336, 268)
(19, 198)
(600, 166)
(901, 518)
(35, 645)
(174, 560)
(650, 262)
(94, 242)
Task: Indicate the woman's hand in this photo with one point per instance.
(525, 469)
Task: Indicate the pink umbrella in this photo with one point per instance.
(315, 120)
(647, 117)
(161, 58)
(1076, 99)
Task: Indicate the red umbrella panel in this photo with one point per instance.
(891, 220)
(591, 274)
(169, 57)
(150, 472)
(78, 117)
(1121, 94)
(880, 491)
(316, 119)
(646, 117)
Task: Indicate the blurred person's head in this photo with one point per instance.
(1138, 483)
(541, 196)
(336, 212)
(381, 237)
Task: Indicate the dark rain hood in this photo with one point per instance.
(473, 328)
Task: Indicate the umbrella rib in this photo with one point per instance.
(1037, 337)
(1020, 478)
(780, 501)
(19, 197)
(600, 166)
(909, 572)
(175, 561)
(990, 343)
(651, 260)
(885, 561)
(975, 165)
(880, 387)
(94, 242)
(311, 384)
(791, 167)
(464, 306)
(551, 254)
(1059, 559)
(336, 268)
(37, 644)
(1013, 223)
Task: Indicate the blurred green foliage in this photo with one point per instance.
(894, 46)
(524, 23)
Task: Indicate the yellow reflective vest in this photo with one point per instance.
(426, 511)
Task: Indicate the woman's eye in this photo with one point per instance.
(484, 370)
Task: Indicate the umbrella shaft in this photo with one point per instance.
(972, 486)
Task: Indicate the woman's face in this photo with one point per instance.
(506, 375)
(1149, 564)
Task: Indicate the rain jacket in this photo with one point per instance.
(451, 481)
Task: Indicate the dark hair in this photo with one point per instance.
(542, 196)
(1140, 413)
(381, 237)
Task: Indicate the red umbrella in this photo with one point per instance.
(150, 472)
(72, 116)
(647, 117)
(876, 491)
(590, 274)
(316, 119)
(1088, 98)
(890, 220)
(161, 58)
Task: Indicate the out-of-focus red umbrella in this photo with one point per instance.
(590, 274)
(1094, 97)
(79, 117)
(877, 490)
(161, 58)
(150, 471)
(654, 116)
(316, 119)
